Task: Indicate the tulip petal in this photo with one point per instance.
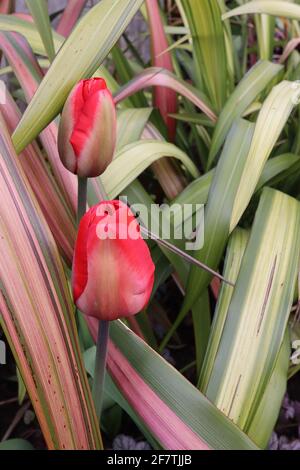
(87, 134)
(117, 270)
(98, 149)
(85, 108)
(66, 126)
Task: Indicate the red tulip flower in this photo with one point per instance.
(113, 272)
(87, 131)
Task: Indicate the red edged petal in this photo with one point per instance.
(86, 106)
(137, 272)
(115, 276)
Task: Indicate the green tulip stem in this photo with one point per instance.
(102, 341)
(100, 366)
(82, 197)
(103, 328)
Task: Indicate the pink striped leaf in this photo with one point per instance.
(60, 220)
(289, 48)
(159, 77)
(6, 6)
(29, 75)
(69, 17)
(23, 24)
(175, 413)
(24, 16)
(150, 407)
(165, 99)
(37, 314)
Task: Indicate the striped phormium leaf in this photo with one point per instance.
(279, 8)
(265, 30)
(6, 6)
(252, 84)
(267, 412)
(234, 255)
(59, 218)
(155, 76)
(244, 173)
(221, 198)
(125, 72)
(150, 407)
(270, 122)
(23, 24)
(157, 397)
(69, 16)
(258, 311)
(289, 48)
(164, 99)
(274, 170)
(209, 52)
(24, 16)
(134, 158)
(37, 314)
(26, 68)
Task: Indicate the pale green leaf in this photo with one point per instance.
(259, 309)
(244, 94)
(269, 7)
(134, 158)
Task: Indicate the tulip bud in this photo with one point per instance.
(113, 273)
(87, 131)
